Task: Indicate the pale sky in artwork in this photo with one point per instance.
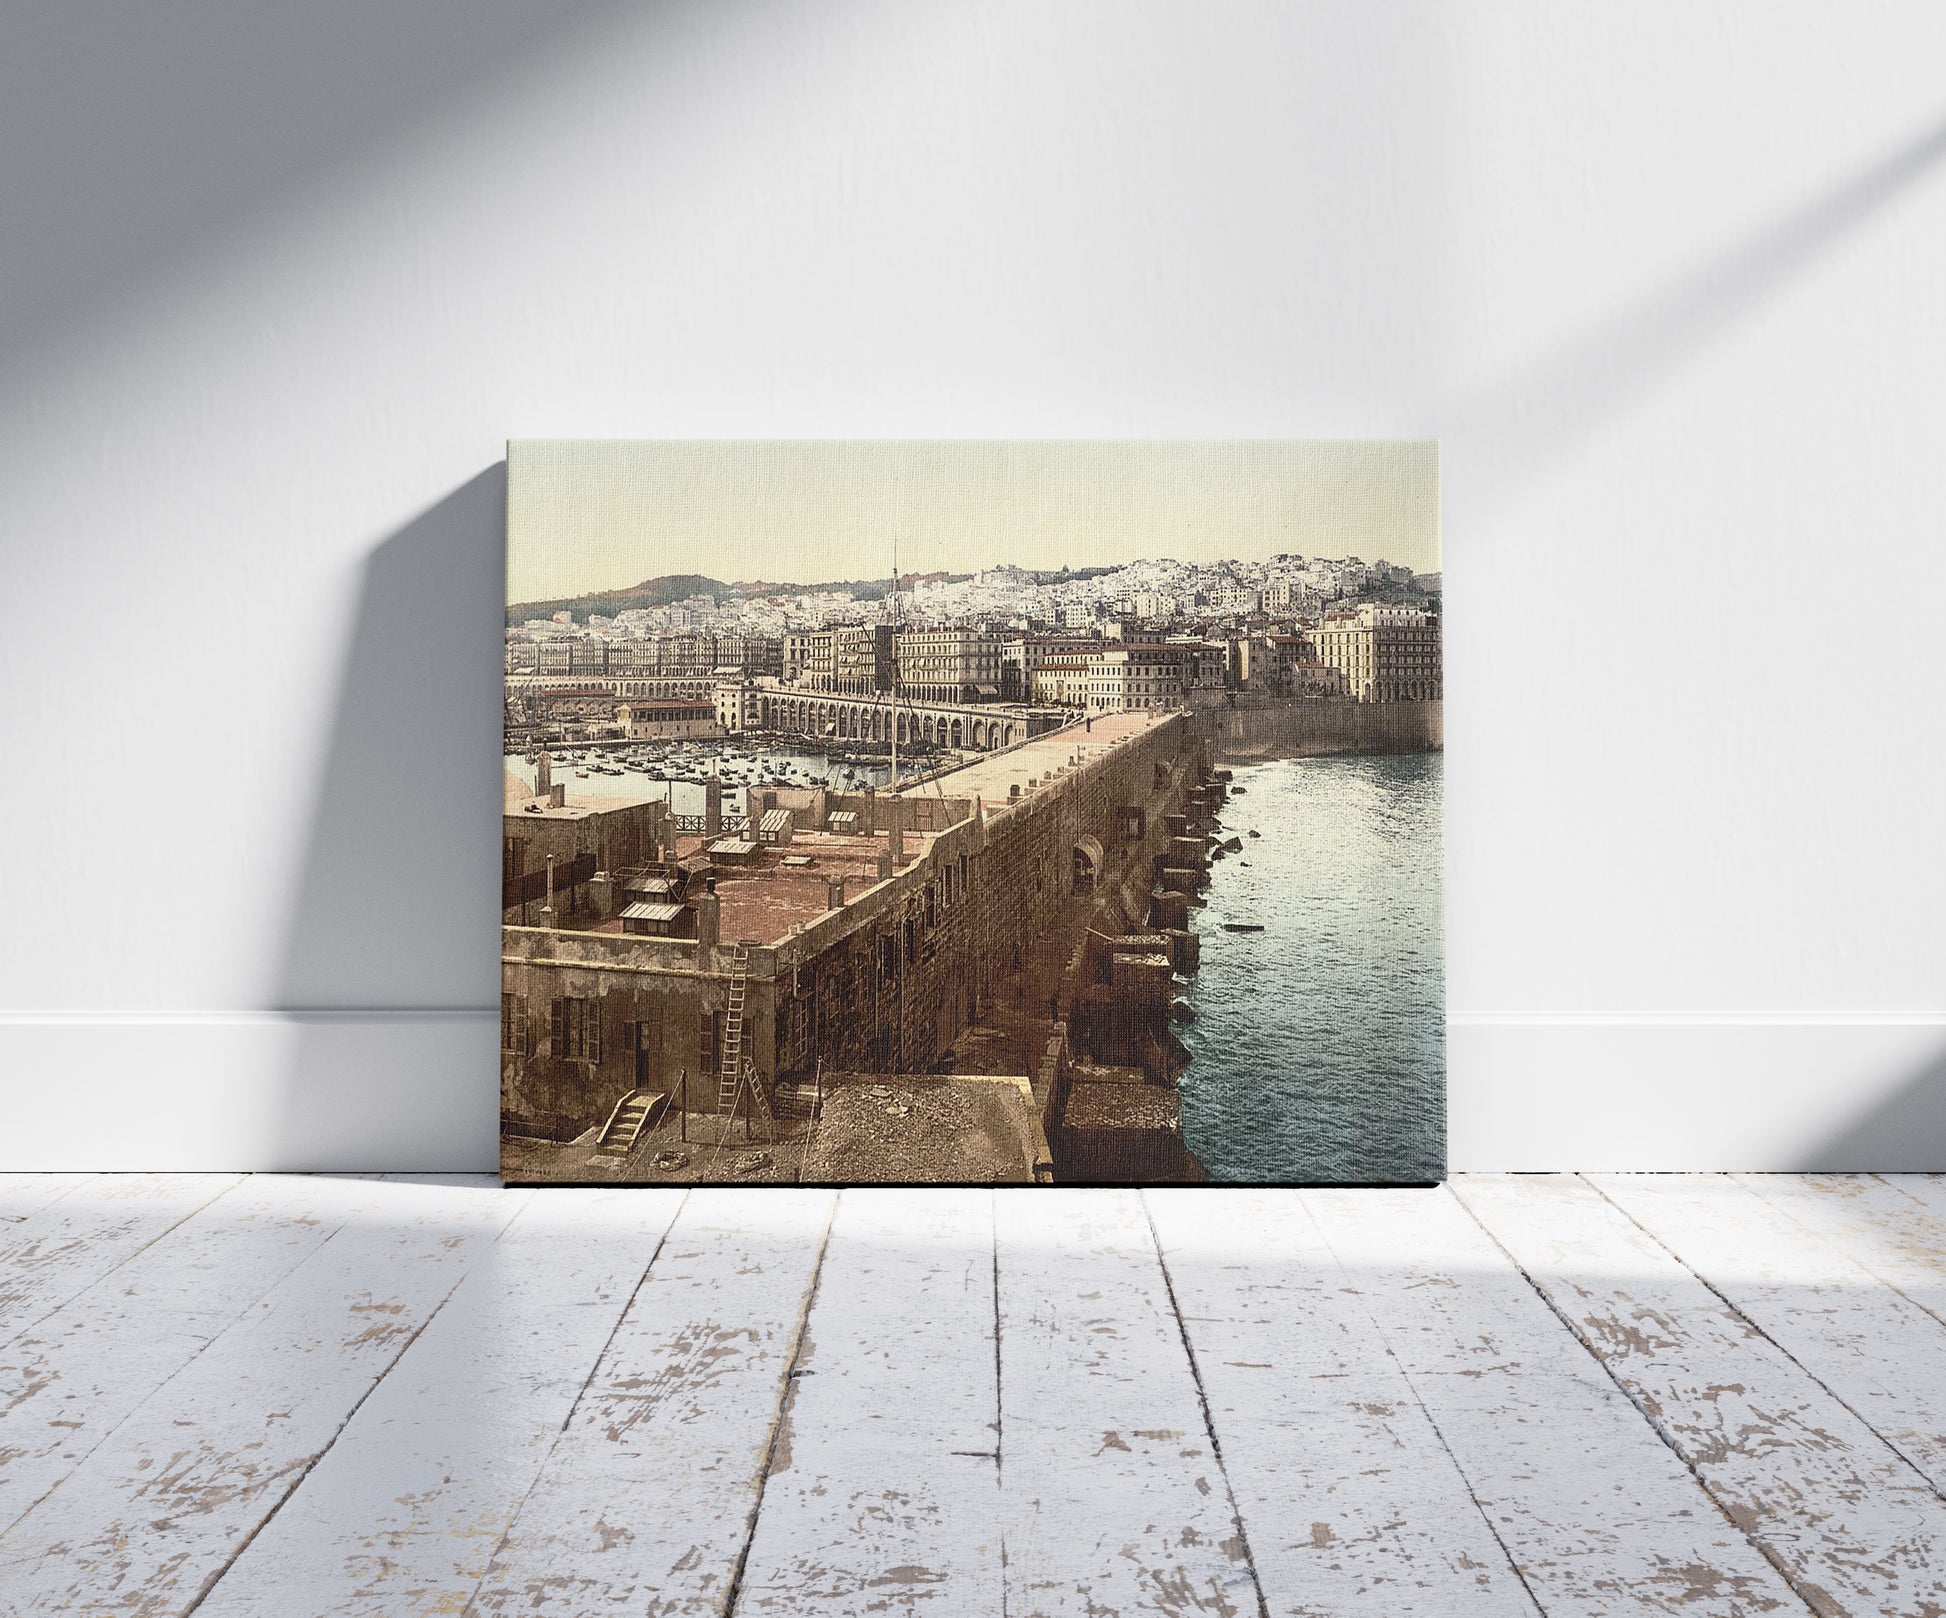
(587, 515)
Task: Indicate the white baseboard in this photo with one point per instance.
(1665, 1093)
(250, 1090)
(418, 1090)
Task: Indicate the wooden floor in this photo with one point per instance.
(1563, 1395)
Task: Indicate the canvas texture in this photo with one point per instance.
(985, 812)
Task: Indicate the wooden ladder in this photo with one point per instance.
(729, 1072)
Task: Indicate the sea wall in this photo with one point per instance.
(1269, 727)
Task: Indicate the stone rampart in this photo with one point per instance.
(1270, 727)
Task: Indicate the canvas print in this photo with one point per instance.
(972, 812)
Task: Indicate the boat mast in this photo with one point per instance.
(895, 656)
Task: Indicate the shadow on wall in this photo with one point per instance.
(135, 139)
(1906, 1133)
(392, 957)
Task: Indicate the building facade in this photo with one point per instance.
(1138, 677)
(949, 665)
(861, 657)
(1383, 654)
(668, 720)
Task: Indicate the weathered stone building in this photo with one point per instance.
(871, 942)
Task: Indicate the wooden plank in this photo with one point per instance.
(1840, 1512)
(149, 1520)
(59, 1250)
(1113, 1497)
(1894, 1224)
(73, 1377)
(1599, 1517)
(404, 1512)
(883, 1494)
(1351, 1501)
(22, 1194)
(645, 1504)
(1870, 1346)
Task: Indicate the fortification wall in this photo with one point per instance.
(1269, 727)
(884, 985)
(889, 982)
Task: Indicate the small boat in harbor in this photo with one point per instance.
(1243, 926)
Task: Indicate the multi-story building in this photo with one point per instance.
(756, 656)
(808, 658)
(1049, 668)
(948, 665)
(736, 705)
(1206, 663)
(861, 656)
(1134, 675)
(1385, 654)
(1063, 678)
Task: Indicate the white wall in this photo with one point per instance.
(1665, 278)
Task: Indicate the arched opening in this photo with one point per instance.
(1087, 865)
(956, 733)
(979, 735)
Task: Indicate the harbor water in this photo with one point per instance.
(1318, 1050)
(686, 797)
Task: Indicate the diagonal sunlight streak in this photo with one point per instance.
(1515, 431)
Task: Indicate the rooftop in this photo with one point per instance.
(990, 778)
(519, 799)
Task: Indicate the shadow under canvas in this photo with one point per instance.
(391, 957)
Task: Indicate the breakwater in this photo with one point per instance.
(1258, 728)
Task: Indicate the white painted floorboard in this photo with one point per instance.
(1598, 1396)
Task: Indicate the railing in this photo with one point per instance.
(700, 823)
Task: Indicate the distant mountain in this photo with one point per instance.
(681, 586)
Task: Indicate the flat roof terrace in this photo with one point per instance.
(992, 778)
(764, 899)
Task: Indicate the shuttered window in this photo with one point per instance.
(577, 1030)
(515, 1034)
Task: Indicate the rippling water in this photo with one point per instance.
(1319, 1046)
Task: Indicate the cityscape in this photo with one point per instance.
(922, 877)
(1153, 634)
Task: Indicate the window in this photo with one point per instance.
(513, 1024)
(577, 1030)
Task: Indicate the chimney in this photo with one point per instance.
(895, 834)
(712, 806)
(709, 916)
(834, 893)
(544, 776)
(547, 910)
(557, 795)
